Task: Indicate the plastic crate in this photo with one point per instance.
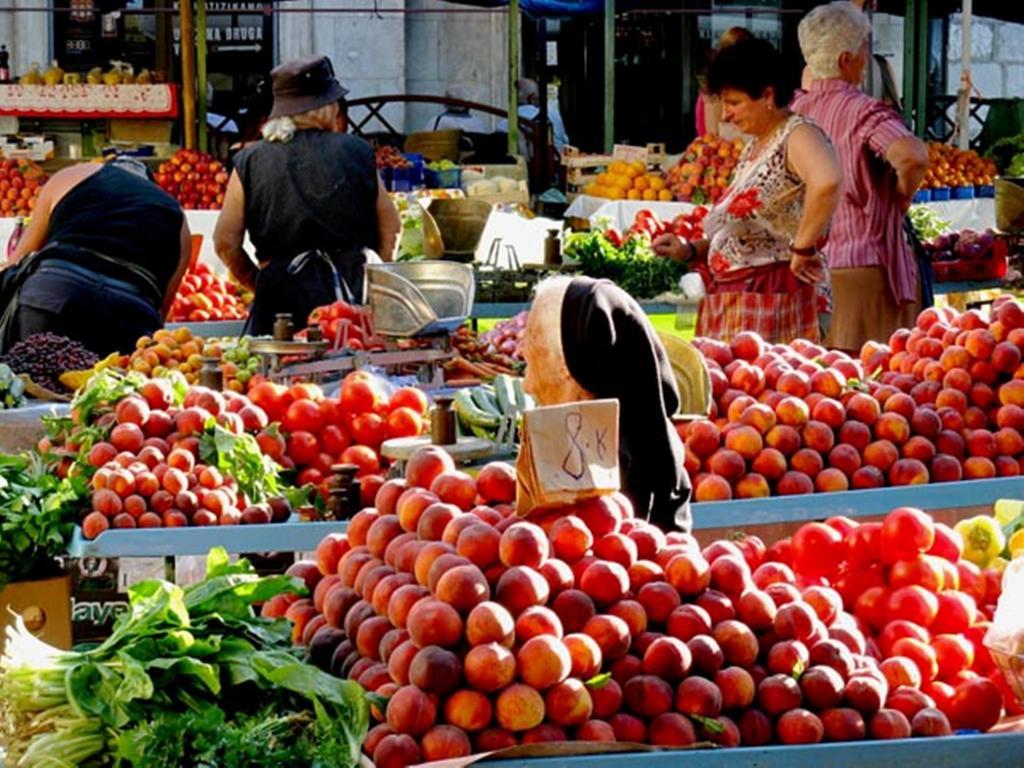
(404, 179)
(941, 194)
(991, 267)
(450, 178)
(985, 190)
(962, 193)
(923, 195)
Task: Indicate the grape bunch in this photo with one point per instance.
(45, 356)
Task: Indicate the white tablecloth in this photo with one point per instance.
(622, 213)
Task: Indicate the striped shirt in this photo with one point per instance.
(867, 227)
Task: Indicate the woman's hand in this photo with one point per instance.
(671, 247)
(807, 269)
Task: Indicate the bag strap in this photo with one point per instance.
(144, 276)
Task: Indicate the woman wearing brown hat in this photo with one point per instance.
(310, 198)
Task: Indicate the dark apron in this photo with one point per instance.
(301, 284)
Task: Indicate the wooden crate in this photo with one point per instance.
(581, 169)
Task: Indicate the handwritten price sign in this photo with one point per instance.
(569, 452)
(628, 154)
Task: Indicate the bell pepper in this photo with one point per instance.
(613, 236)
(983, 539)
(1007, 511)
(1016, 544)
(998, 564)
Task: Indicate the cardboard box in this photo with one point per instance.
(44, 605)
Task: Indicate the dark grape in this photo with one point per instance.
(45, 356)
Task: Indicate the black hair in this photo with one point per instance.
(750, 66)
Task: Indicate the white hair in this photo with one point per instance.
(283, 129)
(829, 31)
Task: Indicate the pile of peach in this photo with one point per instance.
(943, 401)
(484, 630)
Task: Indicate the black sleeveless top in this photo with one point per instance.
(317, 191)
(124, 217)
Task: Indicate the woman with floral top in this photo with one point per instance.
(764, 271)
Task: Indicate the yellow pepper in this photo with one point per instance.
(983, 539)
(998, 563)
(1016, 544)
(1007, 511)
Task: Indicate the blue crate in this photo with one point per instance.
(941, 194)
(923, 195)
(404, 179)
(985, 190)
(450, 178)
(963, 193)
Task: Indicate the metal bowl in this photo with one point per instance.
(419, 297)
(452, 229)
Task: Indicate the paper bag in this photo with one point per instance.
(1005, 637)
(569, 453)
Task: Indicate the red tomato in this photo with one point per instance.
(753, 549)
(913, 603)
(971, 581)
(948, 543)
(334, 440)
(817, 549)
(309, 476)
(410, 397)
(303, 448)
(271, 398)
(330, 411)
(864, 544)
(306, 391)
(780, 552)
(919, 652)
(369, 429)
(363, 457)
(843, 524)
(954, 654)
(976, 704)
(924, 570)
(359, 396)
(303, 416)
(906, 533)
(404, 422)
(271, 443)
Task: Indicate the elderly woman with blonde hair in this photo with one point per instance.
(872, 263)
(311, 199)
(587, 339)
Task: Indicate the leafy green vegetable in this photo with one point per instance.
(189, 677)
(1008, 154)
(240, 457)
(37, 517)
(634, 267)
(927, 223)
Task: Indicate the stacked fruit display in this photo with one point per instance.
(506, 337)
(195, 179)
(950, 166)
(172, 350)
(43, 357)
(629, 181)
(390, 157)
(943, 401)
(485, 630)
(705, 170)
(204, 295)
(314, 432)
(967, 255)
(20, 182)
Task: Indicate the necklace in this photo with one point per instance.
(765, 139)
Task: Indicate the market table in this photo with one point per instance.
(994, 750)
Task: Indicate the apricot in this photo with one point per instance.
(433, 622)
(519, 707)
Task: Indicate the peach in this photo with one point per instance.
(456, 526)
(784, 438)
(519, 708)
(605, 582)
(845, 458)
(756, 609)
(737, 641)
(411, 711)
(752, 486)
(734, 403)
(829, 412)
(568, 703)
(713, 488)
(659, 599)
(818, 436)
(617, 548)
(707, 655)
(601, 514)
(546, 732)
(830, 480)
(496, 482)
(396, 751)
(1012, 393)
(671, 729)
(881, 454)
(930, 722)
(1010, 417)
(689, 573)
(795, 383)
(401, 602)
(520, 587)
(426, 557)
(702, 437)
(647, 695)
(410, 506)
(792, 412)
(329, 552)
(889, 724)
(435, 670)
(489, 667)
(718, 605)
(788, 657)
(759, 417)
(434, 519)
(908, 472)
(981, 442)
(698, 697)
(769, 464)
(468, 709)
(856, 434)
(778, 693)
(667, 657)
(386, 500)
(441, 566)
(727, 464)
(478, 543)
(426, 464)
(444, 742)
(543, 661)
(976, 467)
(798, 726)
(595, 730)
(632, 613)
(537, 620)
(433, 622)
(611, 634)
(863, 408)
(737, 688)
(745, 441)
(794, 483)
(463, 587)
(865, 694)
(570, 538)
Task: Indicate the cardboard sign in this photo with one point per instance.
(628, 154)
(569, 452)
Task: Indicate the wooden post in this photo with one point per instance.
(609, 75)
(201, 74)
(188, 73)
(513, 76)
(963, 102)
(923, 40)
(909, 63)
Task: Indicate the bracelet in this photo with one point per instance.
(693, 251)
(811, 250)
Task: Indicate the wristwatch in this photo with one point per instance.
(811, 250)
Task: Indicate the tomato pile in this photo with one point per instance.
(204, 295)
(485, 630)
(344, 326)
(687, 226)
(943, 401)
(390, 157)
(312, 431)
(20, 182)
(195, 179)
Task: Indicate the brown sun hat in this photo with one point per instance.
(303, 85)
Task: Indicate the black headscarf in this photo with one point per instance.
(611, 350)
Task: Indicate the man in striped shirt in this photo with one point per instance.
(874, 271)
